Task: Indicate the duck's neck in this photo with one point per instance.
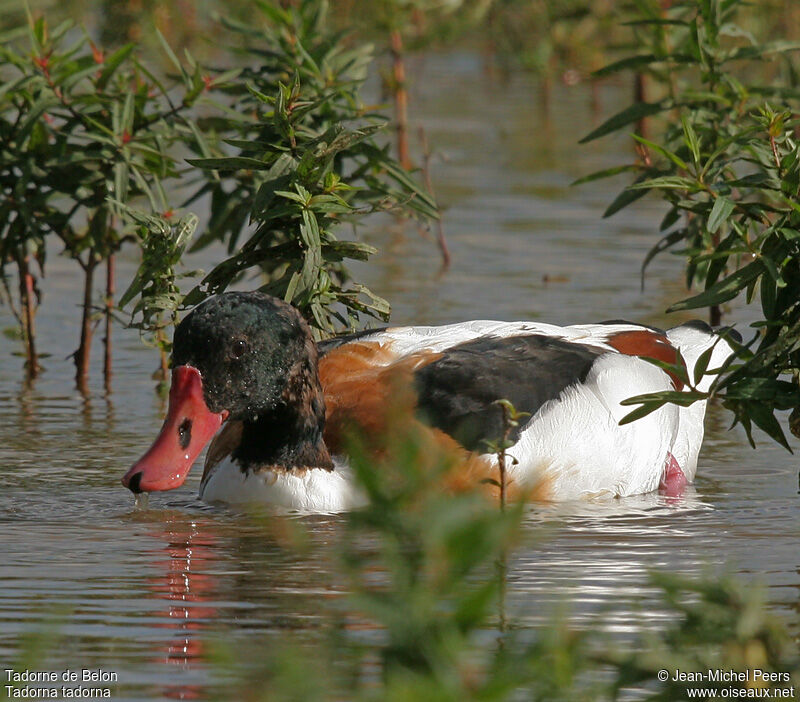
(289, 435)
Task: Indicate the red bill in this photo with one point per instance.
(188, 427)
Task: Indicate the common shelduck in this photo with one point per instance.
(246, 369)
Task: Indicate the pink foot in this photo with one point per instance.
(673, 481)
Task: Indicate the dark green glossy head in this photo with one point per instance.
(248, 346)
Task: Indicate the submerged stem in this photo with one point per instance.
(110, 290)
(400, 98)
(27, 295)
(83, 353)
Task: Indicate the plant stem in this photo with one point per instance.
(640, 95)
(501, 456)
(595, 99)
(83, 353)
(164, 357)
(164, 366)
(502, 562)
(110, 290)
(426, 171)
(502, 467)
(715, 315)
(400, 98)
(26, 296)
(502, 574)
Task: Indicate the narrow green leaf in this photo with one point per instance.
(719, 213)
(230, 163)
(663, 244)
(769, 296)
(701, 365)
(682, 398)
(624, 64)
(627, 196)
(724, 290)
(640, 412)
(121, 181)
(631, 114)
(671, 218)
(655, 22)
(667, 183)
(772, 269)
(127, 114)
(677, 160)
(606, 173)
(753, 52)
(172, 57)
(291, 196)
(310, 229)
(764, 418)
(112, 63)
(690, 137)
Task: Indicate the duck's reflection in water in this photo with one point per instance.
(186, 584)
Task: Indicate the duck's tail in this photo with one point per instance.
(693, 339)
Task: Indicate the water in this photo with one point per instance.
(145, 593)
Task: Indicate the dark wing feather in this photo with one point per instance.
(335, 342)
(457, 391)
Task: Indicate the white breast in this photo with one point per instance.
(307, 490)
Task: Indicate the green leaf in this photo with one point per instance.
(682, 398)
(724, 290)
(261, 97)
(339, 250)
(35, 112)
(309, 230)
(112, 63)
(670, 218)
(690, 137)
(136, 287)
(677, 369)
(289, 195)
(752, 52)
(655, 22)
(624, 64)
(229, 163)
(172, 57)
(490, 481)
(769, 296)
(780, 394)
(639, 412)
(701, 365)
(667, 183)
(631, 114)
(606, 173)
(772, 269)
(764, 418)
(625, 198)
(719, 213)
(663, 244)
(679, 162)
(121, 181)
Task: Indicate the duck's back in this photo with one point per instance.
(570, 380)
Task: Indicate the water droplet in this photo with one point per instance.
(141, 500)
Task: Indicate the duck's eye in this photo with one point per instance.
(238, 348)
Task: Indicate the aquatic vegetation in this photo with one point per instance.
(92, 148)
(83, 133)
(724, 157)
(307, 158)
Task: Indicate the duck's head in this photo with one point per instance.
(237, 355)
